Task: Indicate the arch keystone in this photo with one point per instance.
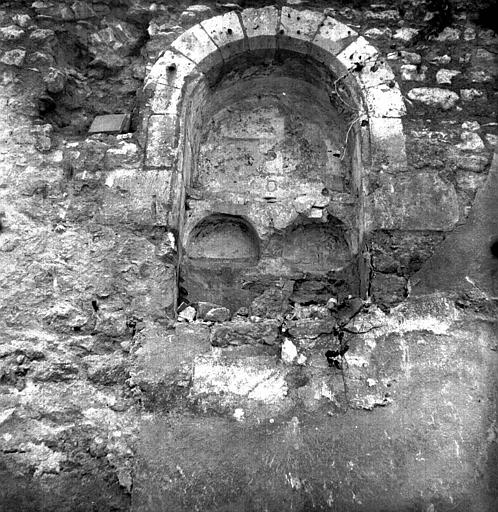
(261, 27)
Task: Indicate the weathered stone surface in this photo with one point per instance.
(310, 327)
(434, 97)
(241, 333)
(445, 76)
(261, 27)
(470, 142)
(253, 377)
(331, 38)
(112, 45)
(300, 26)
(55, 80)
(421, 201)
(227, 34)
(13, 57)
(11, 33)
(218, 315)
(405, 34)
(414, 73)
(199, 48)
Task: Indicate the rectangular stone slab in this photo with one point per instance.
(110, 123)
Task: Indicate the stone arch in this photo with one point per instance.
(350, 71)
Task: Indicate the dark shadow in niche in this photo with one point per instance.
(220, 249)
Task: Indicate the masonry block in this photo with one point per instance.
(375, 74)
(199, 48)
(358, 53)
(331, 38)
(162, 140)
(412, 202)
(261, 26)
(298, 29)
(388, 142)
(132, 197)
(226, 31)
(385, 100)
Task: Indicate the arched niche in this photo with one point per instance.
(219, 250)
(316, 247)
(223, 239)
(226, 60)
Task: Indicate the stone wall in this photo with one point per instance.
(338, 399)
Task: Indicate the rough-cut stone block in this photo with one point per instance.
(111, 123)
(256, 378)
(332, 37)
(311, 327)
(227, 34)
(161, 140)
(416, 202)
(298, 28)
(385, 100)
(136, 197)
(166, 80)
(358, 53)
(434, 97)
(388, 141)
(199, 48)
(261, 26)
(245, 333)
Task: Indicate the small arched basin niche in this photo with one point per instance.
(224, 239)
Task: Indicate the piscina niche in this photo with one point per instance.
(263, 125)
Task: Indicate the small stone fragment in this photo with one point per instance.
(449, 35)
(445, 76)
(469, 34)
(40, 35)
(470, 142)
(405, 34)
(377, 33)
(11, 33)
(55, 81)
(471, 94)
(187, 314)
(289, 351)
(23, 20)
(13, 57)
(413, 72)
(218, 315)
(405, 57)
(434, 97)
(472, 126)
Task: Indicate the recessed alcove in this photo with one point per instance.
(223, 238)
(317, 247)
